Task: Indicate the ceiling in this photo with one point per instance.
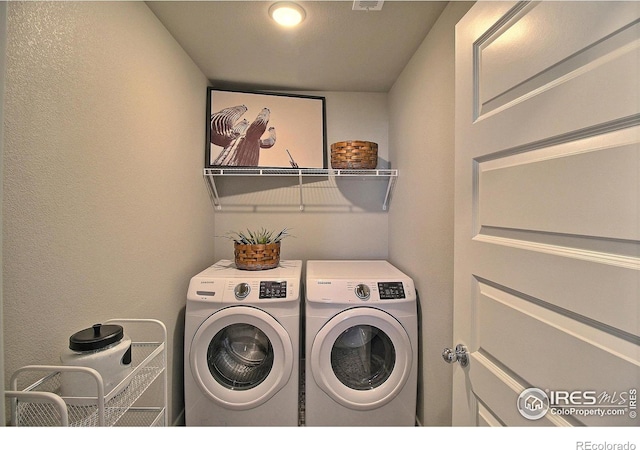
(237, 45)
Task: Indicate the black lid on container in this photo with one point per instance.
(97, 337)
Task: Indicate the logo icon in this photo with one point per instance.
(533, 403)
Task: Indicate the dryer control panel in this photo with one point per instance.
(224, 283)
(260, 291)
(267, 290)
(250, 291)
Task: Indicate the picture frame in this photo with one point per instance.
(265, 129)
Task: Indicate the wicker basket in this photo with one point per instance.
(257, 256)
(354, 155)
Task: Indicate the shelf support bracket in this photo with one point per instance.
(213, 191)
(300, 186)
(390, 185)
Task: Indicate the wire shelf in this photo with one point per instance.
(210, 175)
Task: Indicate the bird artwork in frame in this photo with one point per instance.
(264, 129)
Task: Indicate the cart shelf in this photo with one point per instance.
(39, 403)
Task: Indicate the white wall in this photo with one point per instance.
(421, 140)
(341, 220)
(105, 210)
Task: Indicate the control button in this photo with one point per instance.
(362, 291)
(242, 290)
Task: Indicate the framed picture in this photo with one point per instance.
(264, 129)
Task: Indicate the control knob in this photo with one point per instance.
(362, 291)
(242, 290)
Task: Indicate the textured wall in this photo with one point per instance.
(105, 210)
(421, 140)
(3, 41)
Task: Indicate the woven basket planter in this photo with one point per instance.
(354, 155)
(257, 256)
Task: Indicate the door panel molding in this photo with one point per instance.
(555, 54)
(547, 208)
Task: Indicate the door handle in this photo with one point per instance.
(460, 354)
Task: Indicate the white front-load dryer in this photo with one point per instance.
(361, 345)
(242, 346)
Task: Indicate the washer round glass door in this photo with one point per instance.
(241, 356)
(361, 358)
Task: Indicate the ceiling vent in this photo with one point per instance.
(367, 5)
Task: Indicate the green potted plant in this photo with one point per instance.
(257, 250)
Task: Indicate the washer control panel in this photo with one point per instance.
(273, 289)
(360, 291)
(365, 282)
(391, 290)
(367, 290)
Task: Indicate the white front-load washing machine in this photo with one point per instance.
(361, 345)
(242, 331)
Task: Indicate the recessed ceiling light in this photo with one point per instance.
(287, 14)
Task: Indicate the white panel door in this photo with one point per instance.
(547, 240)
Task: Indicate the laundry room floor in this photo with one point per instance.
(301, 398)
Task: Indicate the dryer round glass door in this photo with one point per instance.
(361, 358)
(241, 356)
